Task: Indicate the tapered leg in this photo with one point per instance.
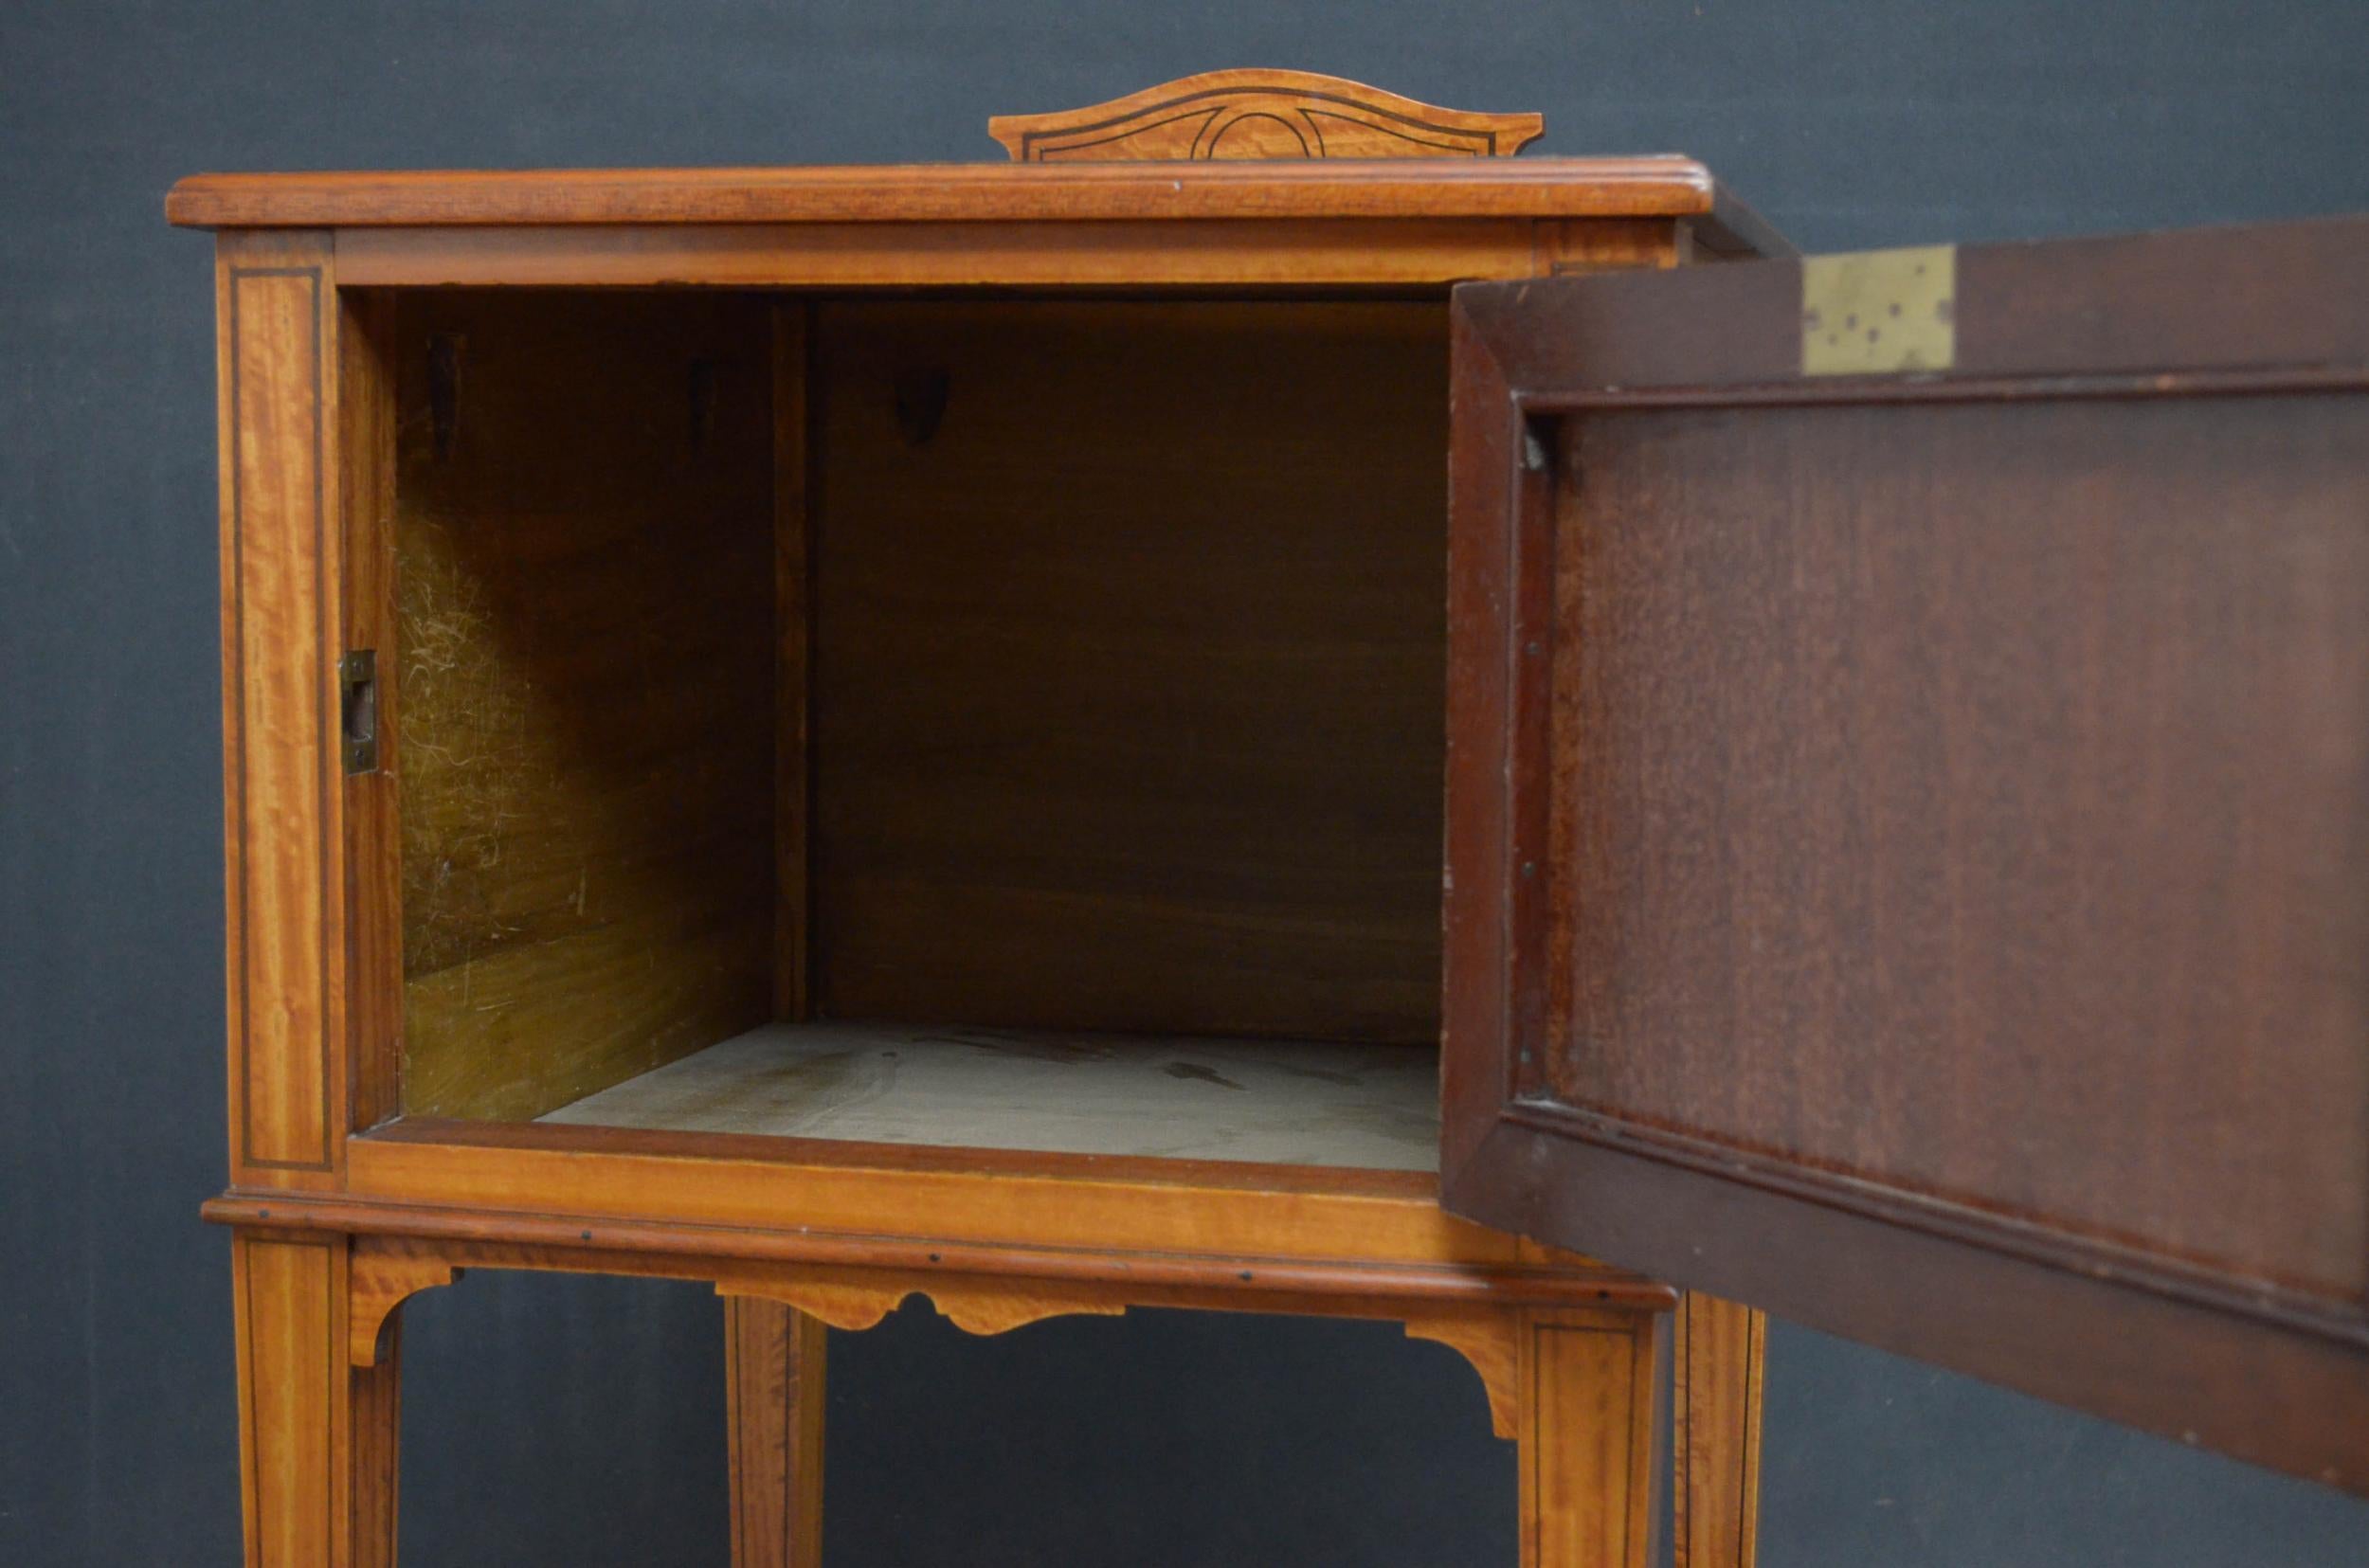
(1716, 1410)
(1586, 1429)
(774, 1359)
(317, 1437)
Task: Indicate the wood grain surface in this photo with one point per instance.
(372, 799)
(1718, 1349)
(1260, 113)
(1905, 830)
(579, 534)
(318, 1439)
(1968, 798)
(586, 660)
(283, 826)
(1587, 1445)
(1291, 253)
(1415, 188)
(1075, 1216)
(1127, 666)
(775, 1362)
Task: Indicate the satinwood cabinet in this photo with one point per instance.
(1269, 707)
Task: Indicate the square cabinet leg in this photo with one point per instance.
(1585, 1384)
(773, 1361)
(317, 1436)
(1716, 1405)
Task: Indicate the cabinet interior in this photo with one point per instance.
(996, 721)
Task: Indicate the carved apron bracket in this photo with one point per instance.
(1489, 1339)
(992, 1308)
(387, 1270)
(384, 1271)
(1492, 1342)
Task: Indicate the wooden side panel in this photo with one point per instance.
(586, 663)
(775, 1362)
(281, 641)
(1718, 1350)
(1129, 666)
(1585, 1449)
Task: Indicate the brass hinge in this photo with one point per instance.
(1879, 311)
(357, 709)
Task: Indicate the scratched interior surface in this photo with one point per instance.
(1288, 1101)
(583, 689)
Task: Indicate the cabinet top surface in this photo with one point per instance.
(1641, 186)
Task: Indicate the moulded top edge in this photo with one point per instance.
(1649, 186)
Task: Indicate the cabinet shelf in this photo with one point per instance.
(1278, 1102)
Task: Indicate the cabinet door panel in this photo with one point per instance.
(1909, 833)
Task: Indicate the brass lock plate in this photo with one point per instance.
(357, 689)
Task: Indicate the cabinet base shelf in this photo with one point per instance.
(1273, 1102)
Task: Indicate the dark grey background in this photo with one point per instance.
(579, 1423)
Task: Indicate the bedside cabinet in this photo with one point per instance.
(1270, 708)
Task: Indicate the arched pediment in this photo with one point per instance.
(1260, 113)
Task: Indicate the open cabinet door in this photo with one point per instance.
(1909, 807)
